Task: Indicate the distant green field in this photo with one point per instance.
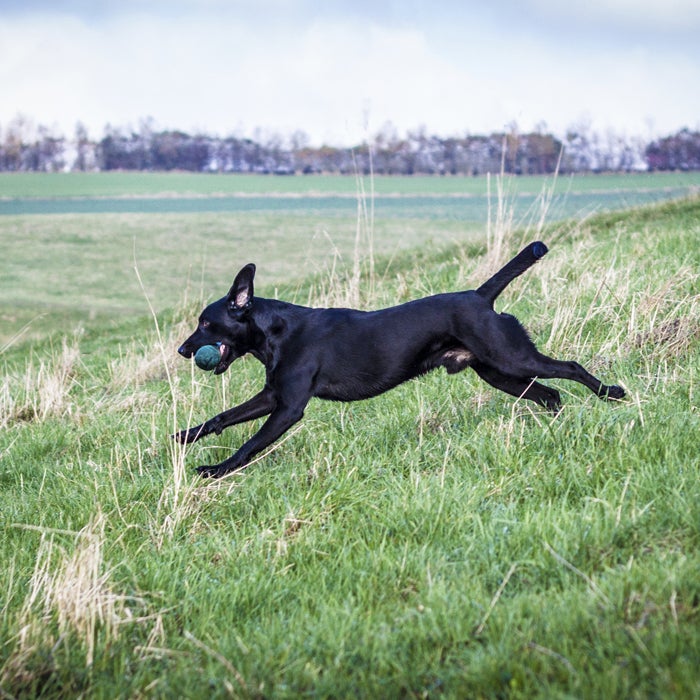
(70, 242)
(452, 198)
(125, 184)
(467, 208)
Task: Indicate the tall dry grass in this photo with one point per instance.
(70, 600)
(42, 388)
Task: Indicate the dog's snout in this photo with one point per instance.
(185, 351)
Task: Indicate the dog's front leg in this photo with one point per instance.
(260, 405)
(281, 420)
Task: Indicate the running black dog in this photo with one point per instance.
(348, 355)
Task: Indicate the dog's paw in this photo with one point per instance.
(188, 435)
(212, 471)
(180, 436)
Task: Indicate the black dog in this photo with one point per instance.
(347, 355)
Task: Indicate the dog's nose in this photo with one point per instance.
(185, 351)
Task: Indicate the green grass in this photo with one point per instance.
(62, 271)
(130, 184)
(440, 540)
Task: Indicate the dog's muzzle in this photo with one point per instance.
(185, 351)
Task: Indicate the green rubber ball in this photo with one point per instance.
(207, 357)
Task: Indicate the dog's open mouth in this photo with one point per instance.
(226, 359)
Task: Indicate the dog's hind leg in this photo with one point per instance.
(517, 386)
(506, 347)
(545, 367)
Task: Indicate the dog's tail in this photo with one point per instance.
(522, 261)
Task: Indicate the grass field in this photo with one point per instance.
(180, 233)
(127, 184)
(440, 540)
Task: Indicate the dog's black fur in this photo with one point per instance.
(348, 355)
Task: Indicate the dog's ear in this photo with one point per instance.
(240, 296)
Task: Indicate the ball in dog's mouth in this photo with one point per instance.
(208, 357)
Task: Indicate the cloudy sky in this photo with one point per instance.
(339, 70)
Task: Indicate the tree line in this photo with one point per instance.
(24, 148)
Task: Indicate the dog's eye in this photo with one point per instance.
(204, 324)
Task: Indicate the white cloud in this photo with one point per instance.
(659, 15)
(330, 75)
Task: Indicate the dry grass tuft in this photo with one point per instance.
(666, 321)
(670, 338)
(502, 225)
(352, 285)
(69, 598)
(41, 391)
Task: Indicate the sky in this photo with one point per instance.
(341, 70)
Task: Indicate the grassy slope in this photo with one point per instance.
(439, 539)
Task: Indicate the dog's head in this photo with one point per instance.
(226, 323)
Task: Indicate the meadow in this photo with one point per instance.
(128, 184)
(79, 237)
(442, 540)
